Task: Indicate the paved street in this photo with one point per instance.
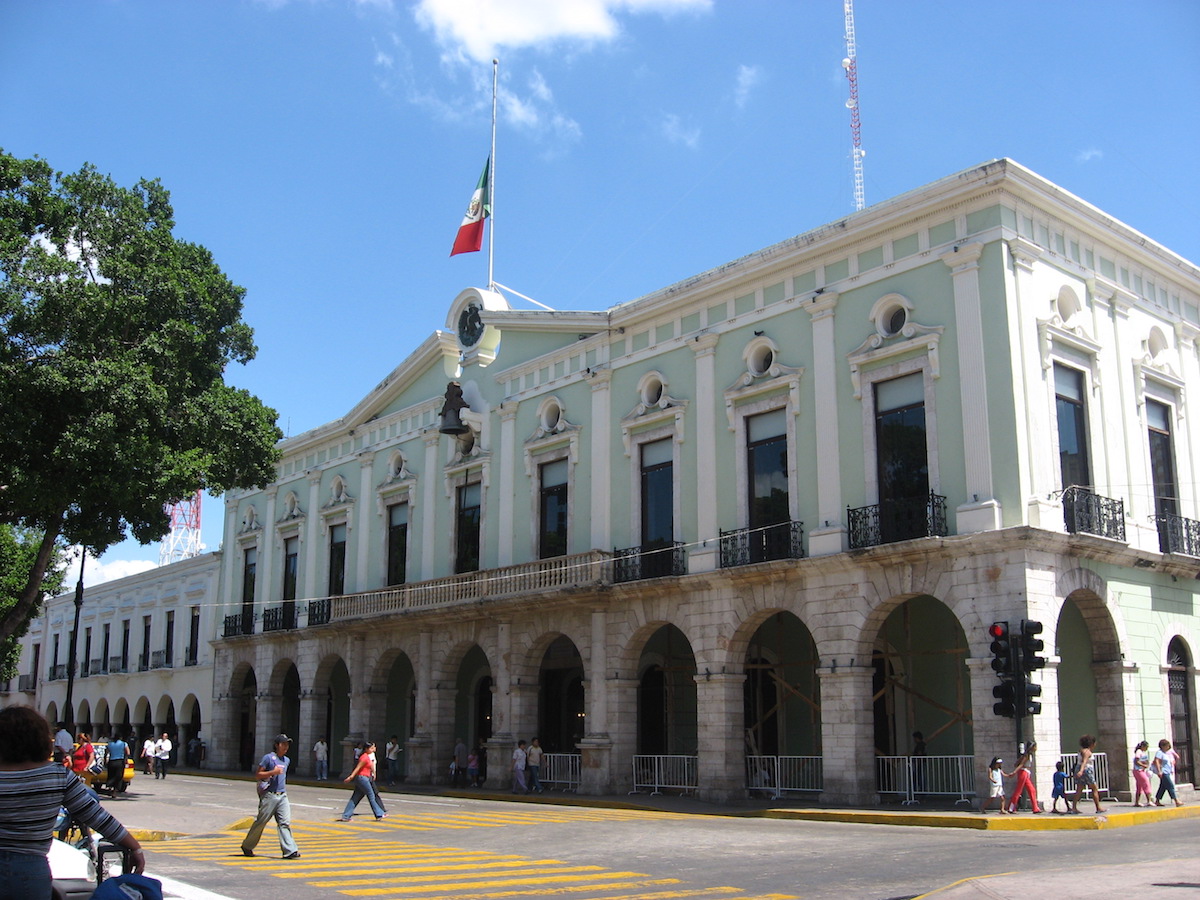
(450, 848)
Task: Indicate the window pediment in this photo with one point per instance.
(912, 339)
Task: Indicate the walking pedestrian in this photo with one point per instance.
(473, 768)
(996, 776)
(148, 753)
(1085, 775)
(162, 755)
(458, 777)
(392, 751)
(1165, 760)
(375, 775)
(533, 765)
(320, 752)
(519, 758)
(1060, 787)
(118, 750)
(273, 802)
(1023, 771)
(62, 740)
(1141, 773)
(364, 769)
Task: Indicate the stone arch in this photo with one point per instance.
(332, 682)
(1104, 619)
(83, 718)
(101, 715)
(52, 714)
(560, 678)
(667, 711)
(781, 693)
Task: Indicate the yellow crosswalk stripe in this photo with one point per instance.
(506, 882)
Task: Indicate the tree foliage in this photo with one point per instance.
(18, 550)
(114, 339)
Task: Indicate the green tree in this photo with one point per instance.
(114, 338)
(18, 550)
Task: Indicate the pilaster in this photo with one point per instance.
(601, 468)
(721, 765)
(429, 531)
(847, 727)
(364, 541)
(508, 466)
(829, 535)
(706, 555)
(312, 537)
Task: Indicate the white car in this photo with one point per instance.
(72, 871)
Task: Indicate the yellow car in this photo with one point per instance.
(98, 781)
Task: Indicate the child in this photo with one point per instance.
(1141, 773)
(996, 776)
(1060, 786)
(473, 768)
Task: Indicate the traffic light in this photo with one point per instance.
(1003, 661)
(1006, 693)
(1030, 705)
(1031, 646)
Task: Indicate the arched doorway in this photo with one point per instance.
(473, 698)
(560, 697)
(247, 706)
(1076, 677)
(782, 708)
(400, 706)
(289, 708)
(921, 682)
(667, 712)
(337, 715)
(1183, 712)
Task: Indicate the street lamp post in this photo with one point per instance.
(69, 718)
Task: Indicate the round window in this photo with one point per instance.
(652, 392)
(896, 320)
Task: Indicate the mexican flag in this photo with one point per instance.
(470, 233)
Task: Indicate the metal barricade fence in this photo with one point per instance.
(560, 771)
(908, 777)
(659, 773)
(1070, 763)
(772, 775)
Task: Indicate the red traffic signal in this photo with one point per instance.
(1002, 650)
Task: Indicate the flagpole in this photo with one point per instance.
(491, 198)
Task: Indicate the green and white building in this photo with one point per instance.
(750, 530)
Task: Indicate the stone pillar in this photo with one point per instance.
(848, 735)
(722, 756)
(706, 556)
(508, 453)
(622, 730)
(829, 532)
(418, 748)
(601, 452)
(429, 481)
(596, 746)
(312, 538)
(363, 542)
(1116, 680)
(982, 511)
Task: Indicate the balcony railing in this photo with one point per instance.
(57, 673)
(1088, 512)
(27, 683)
(191, 658)
(117, 665)
(143, 662)
(577, 570)
(747, 546)
(280, 618)
(161, 659)
(96, 667)
(636, 563)
(319, 611)
(1178, 535)
(902, 519)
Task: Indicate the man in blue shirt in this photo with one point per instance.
(118, 750)
(273, 801)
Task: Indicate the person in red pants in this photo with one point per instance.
(1024, 781)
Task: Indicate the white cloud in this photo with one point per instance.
(747, 78)
(478, 29)
(1086, 156)
(675, 131)
(98, 572)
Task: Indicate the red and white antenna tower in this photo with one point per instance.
(183, 540)
(850, 64)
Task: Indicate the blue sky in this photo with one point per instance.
(325, 150)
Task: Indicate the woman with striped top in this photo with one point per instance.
(31, 791)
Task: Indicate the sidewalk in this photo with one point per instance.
(1157, 880)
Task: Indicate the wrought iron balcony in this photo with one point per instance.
(746, 546)
(191, 658)
(280, 618)
(27, 683)
(1178, 535)
(636, 563)
(162, 659)
(143, 662)
(1086, 511)
(895, 520)
(117, 665)
(57, 673)
(96, 667)
(319, 611)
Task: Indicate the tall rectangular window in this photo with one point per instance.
(658, 507)
(1071, 409)
(144, 662)
(468, 513)
(249, 575)
(107, 644)
(1162, 458)
(54, 658)
(397, 543)
(125, 645)
(87, 650)
(766, 459)
(902, 458)
(552, 509)
(169, 640)
(193, 651)
(337, 560)
(291, 567)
